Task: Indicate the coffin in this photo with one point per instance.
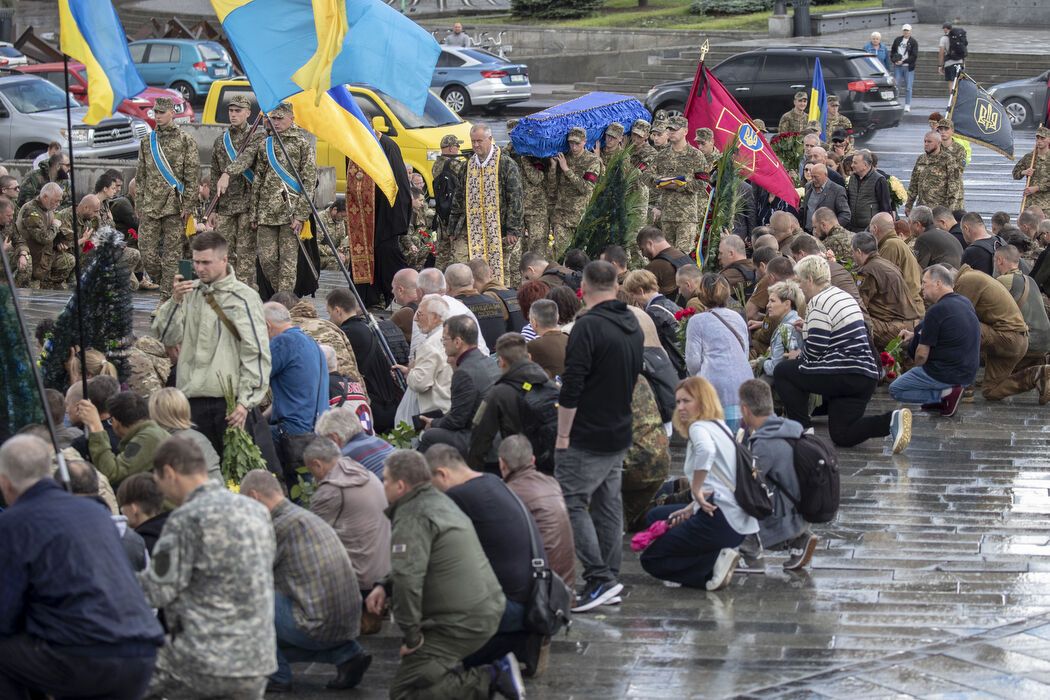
(542, 134)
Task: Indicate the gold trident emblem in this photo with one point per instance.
(750, 137)
(987, 117)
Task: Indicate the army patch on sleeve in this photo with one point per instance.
(398, 549)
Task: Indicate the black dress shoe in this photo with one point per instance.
(274, 687)
(350, 673)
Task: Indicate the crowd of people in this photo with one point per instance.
(533, 395)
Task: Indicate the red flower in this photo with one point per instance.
(891, 375)
(88, 247)
(579, 293)
(887, 359)
(685, 313)
(133, 234)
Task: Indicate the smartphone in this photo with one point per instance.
(186, 270)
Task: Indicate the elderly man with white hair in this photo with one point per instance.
(432, 281)
(429, 375)
(298, 383)
(821, 192)
(39, 235)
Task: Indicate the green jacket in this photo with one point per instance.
(136, 451)
(440, 575)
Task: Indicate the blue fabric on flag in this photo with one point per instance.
(344, 99)
(382, 49)
(818, 100)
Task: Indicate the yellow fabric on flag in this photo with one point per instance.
(331, 25)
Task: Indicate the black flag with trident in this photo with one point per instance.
(977, 117)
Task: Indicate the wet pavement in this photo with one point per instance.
(934, 581)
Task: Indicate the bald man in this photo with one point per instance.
(893, 248)
(405, 288)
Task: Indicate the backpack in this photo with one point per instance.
(956, 44)
(352, 395)
(572, 280)
(445, 185)
(660, 372)
(817, 470)
(538, 408)
(750, 492)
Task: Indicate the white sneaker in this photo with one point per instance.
(724, 567)
(907, 108)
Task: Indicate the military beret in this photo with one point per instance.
(282, 110)
(833, 99)
(641, 127)
(947, 123)
(677, 122)
(450, 140)
(511, 123)
(800, 95)
(577, 133)
(241, 101)
(1042, 132)
(759, 124)
(163, 104)
(704, 134)
(614, 129)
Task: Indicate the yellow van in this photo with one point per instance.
(418, 136)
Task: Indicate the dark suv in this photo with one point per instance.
(764, 82)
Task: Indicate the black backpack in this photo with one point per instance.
(538, 407)
(817, 470)
(445, 185)
(956, 44)
(750, 491)
(662, 376)
(572, 279)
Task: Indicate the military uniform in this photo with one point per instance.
(132, 257)
(39, 233)
(148, 365)
(936, 180)
(162, 208)
(840, 242)
(642, 158)
(31, 185)
(537, 203)
(1040, 177)
(793, 122)
(444, 253)
(274, 203)
(571, 190)
(648, 461)
(337, 231)
(415, 245)
(231, 210)
(304, 315)
(679, 204)
(837, 123)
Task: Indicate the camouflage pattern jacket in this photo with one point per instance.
(679, 203)
(154, 196)
(537, 198)
(212, 574)
(238, 196)
(838, 122)
(1040, 178)
(337, 230)
(33, 182)
(325, 332)
(572, 188)
(840, 242)
(38, 232)
(273, 203)
(793, 121)
(936, 180)
(148, 366)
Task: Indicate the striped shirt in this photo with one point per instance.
(369, 451)
(836, 338)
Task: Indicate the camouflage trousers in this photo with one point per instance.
(643, 473)
(278, 256)
(55, 277)
(160, 242)
(538, 225)
(23, 278)
(563, 232)
(237, 230)
(171, 685)
(329, 262)
(680, 234)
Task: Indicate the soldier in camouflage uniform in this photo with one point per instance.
(936, 179)
(334, 219)
(705, 143)
(148, 365)
(835, 120)
(89, 221)
(946, 130)
(418, 243)
(167, 195)
(278, 206)
(648, 461)
(231, 217)
(795, 120)
(212, 575)
(304, 315)
(1036, 167)
(614, 143)
(39, 235)
(658, 134)
(642, 155)
(537, 202)
(834, 237)
(20, 261)
(54, 169)
(570, 179)
(678, 173)
(450, 158)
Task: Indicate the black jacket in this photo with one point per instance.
(662, 311)
(374, 365)
(500, 411)
(602, 363)
(151, 529)
(913, 52)
(474, 376)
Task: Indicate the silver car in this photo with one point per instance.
(33, 113)
(1024, 100)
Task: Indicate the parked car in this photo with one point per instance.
(139, 107)
(417, 135)
(473, 77)
(1024, 100)
(10, 56)
(764, 82)
(187, 65)
(33, 113)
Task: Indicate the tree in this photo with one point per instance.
(20, 401)
(554, 9)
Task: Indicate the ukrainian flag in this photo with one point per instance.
(92, 33)
(818, 101)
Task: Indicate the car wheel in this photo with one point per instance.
(1018, 111)
(456, 99)
(185, 89)
(671, 109)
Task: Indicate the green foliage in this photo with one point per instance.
(554, 9)
(240, 454)
(20, 403)
(788, 148)
(725, 204)
(303, 491)
(401, 436)
(613, 215)
(728, 7)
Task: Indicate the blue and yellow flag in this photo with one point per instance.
(335, 117)
(818, 100)
(92, 33)
(282, 51)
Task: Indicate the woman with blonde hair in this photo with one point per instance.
(643, 290)
(699, 548)
(170, 409)
(96, 362)
(785, 306)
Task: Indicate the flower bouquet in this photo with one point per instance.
(898, 192)
(890, 358)
(683, 316)
(788, 147)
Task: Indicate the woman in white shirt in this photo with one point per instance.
(699, 549)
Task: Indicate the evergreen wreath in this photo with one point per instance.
(724, 207)
(21, 402)
(613, 214)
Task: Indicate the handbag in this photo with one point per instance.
(549, 607)
(750, 492)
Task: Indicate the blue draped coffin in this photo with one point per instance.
(542, 134)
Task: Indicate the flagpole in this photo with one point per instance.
(63, 471)
(372, 324)
(248, 138)
(1028, 182)
(954, 94)
(76, 234)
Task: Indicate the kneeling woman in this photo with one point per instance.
(698, 549)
